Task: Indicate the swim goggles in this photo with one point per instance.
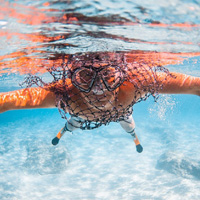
(85, 77)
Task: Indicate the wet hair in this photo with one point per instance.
(139, 77)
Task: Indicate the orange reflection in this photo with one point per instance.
(32, 15)
(21, 62)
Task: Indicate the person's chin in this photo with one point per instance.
(102, 100)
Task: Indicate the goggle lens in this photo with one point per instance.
(112, 77)
(84, 78)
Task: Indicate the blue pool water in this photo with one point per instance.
(102, 163)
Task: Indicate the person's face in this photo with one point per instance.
(98, 84)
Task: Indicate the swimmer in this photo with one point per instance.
(95, 92)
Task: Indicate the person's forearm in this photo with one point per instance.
(26, 98)
(180, 84)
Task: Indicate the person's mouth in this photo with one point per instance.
(98, 91)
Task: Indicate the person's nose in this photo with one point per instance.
(98, 87)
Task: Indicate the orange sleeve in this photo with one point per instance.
(179, 84)
(26, 98)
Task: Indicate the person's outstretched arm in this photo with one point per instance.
(181, 84)
(26, 98)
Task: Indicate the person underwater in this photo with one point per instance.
(98, 88)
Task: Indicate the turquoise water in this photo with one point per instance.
(102, 163)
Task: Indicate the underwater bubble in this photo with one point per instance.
(164, 106)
